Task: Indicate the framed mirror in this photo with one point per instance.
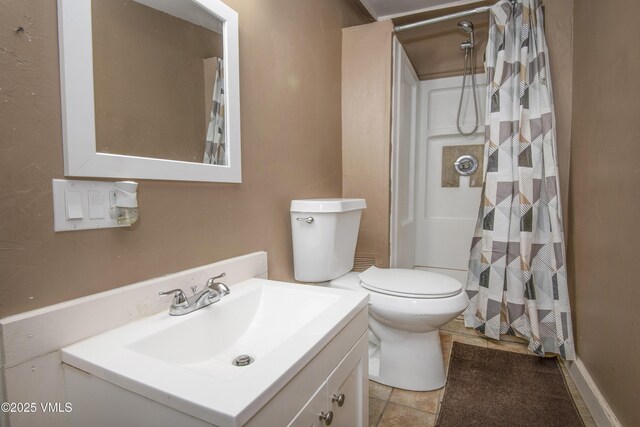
(150, 89)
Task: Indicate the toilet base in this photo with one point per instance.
(406, 360)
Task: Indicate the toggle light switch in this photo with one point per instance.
(73, 204)
(97, 204)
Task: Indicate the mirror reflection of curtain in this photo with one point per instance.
(215, 149)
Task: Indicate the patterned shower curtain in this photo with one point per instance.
(517, 281)
(214, 149)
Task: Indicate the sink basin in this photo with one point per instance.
(186, 362)
(254, 323)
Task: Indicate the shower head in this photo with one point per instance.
(467, 27)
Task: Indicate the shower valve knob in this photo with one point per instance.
(466, 165)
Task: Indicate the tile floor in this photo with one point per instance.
(393, 407)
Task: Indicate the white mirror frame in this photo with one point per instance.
(78, 112)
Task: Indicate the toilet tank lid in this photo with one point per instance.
(409, 283)
(327, 205)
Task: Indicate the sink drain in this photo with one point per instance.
(243, 360)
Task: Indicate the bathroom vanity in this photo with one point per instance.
(308, 349)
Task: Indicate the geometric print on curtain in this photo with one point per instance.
(214, 148)
(517, 282)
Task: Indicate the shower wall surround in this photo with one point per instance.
(445, 215)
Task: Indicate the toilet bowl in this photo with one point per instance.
(406, 307)
(404, 343)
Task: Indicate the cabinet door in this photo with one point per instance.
(309, 416)
(348, 385)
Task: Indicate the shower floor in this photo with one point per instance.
(390, 407)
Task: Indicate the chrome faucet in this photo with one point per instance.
(211, 293)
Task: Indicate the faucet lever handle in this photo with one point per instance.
(179, 297)
(219, 276)
(222, 288)
(219, 287)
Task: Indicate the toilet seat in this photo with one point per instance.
(404, 312)
(408, 283)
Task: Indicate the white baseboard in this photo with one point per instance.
(595, 401)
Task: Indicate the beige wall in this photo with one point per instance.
(149, 82)
(434, 50)
(605, 202)
(366, 132)
(559, 35)
(290, 100)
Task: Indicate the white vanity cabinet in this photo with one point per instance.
(341, 367)
(342, 400)
(310, 347)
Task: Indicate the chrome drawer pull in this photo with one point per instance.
(327, 418)
(338, 398)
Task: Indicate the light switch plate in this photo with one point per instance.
(82, 205)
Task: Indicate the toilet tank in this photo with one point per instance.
(325, 232)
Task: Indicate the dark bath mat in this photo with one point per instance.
(487, 387)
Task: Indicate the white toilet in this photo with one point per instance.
(406, 307)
